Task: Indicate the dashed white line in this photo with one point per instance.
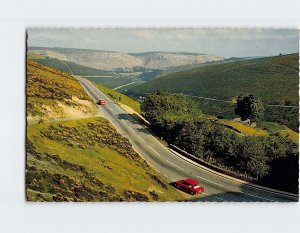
(154, 150)
(113, 111)
(248, 194)
(251, 195)
(174, 165)
(211, 181)
(131, 129)
(141, 138)
(207, 194)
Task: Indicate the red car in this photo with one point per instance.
(101, 102)
(189, 185)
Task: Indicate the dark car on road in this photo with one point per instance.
(190, 186)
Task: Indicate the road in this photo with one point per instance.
(173, 167)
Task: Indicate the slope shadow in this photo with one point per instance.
(245, 195)
(129, 117)
(143, 130)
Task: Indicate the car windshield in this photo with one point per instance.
(186, 183)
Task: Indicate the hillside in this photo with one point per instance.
(53, 94)
(107, 60)
(72, 156)
(87, 160)
(274, 79)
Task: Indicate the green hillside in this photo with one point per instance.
(53, 94)
(274, 79)
(88, 160)
(71, 155)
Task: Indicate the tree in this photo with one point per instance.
(191, 139)
(249, 107)
(253, 159)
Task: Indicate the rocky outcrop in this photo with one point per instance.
(106, 60)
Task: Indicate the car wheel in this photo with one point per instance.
(192, 193)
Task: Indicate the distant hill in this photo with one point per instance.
(108, 60)
(274, 79)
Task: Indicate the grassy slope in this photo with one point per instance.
(80, 160)
(87, 160)
(244, 129)
(274, 80)
(51, 92)
(114, 95)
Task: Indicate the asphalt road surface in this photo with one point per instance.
(173, 167)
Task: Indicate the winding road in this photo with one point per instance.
(172, 166)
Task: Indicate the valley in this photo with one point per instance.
(63, 108)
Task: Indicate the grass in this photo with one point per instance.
(244, 129)
(48, 89)
(274, 80)
(282, 130)
(118, 97)
(286, 132)
(87, 160)
(271, 126)
(263, 129)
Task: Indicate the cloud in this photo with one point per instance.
(219, 41)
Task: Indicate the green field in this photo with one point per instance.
(87, 160)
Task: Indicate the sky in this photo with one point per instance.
(222, 42)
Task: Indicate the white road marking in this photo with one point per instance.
(151, 165)
(166, 175)
(211, 181)
(207, 194)
(113, 111)
(91, 87)
(154, 150)
(141, 138)
(174, 165)
(251, 195)
(131, 129)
